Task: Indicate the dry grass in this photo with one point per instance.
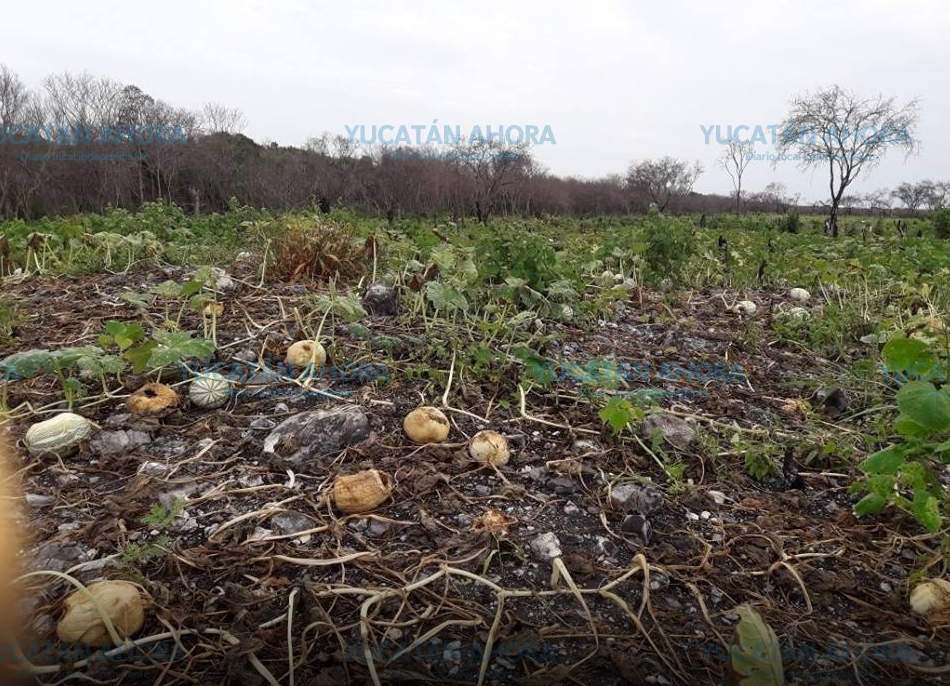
(317, 250)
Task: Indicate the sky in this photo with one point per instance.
(615, 81)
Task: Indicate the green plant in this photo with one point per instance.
(10, 318)
(618, 413)
(670, 245)
(941, 221)
(789, 223)
(904, 474)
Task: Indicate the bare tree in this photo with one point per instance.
(14, 97)
(735, 158)
(935, 193)
(493, 166)
(847, 133)
(663, 179)
(775, 196)
(912, 195)
(216, 118)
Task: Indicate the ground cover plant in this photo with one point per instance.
(670, 457)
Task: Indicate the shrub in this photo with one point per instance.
(789, 223)
(941, 221)
(318, 250)
(670, 245)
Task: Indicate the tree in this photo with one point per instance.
(663, 179)
(735, 158)
(912, 195)
(493, 166)
(775, 195)
(216, 118)
(935, 193)
(13, 97)
(846, 132)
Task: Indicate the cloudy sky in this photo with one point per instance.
(614, 80)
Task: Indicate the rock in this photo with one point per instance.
(639, 527)
(310, 435)
(717, 497)
(482, 490)
(289, 523)
(378, 528)
(583, 446)
(262, 424)
(57, 556)
(630, 497)
(281, 408)
(36, 500)
(546, 546)
(117, 442)
(380, 300)
(677, 432)
(246, 355)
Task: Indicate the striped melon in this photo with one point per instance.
(59, 436)
(210, 390)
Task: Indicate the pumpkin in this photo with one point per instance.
(151, 398)
(489, 448)
(303, 353)
(123, 603)
(426, 425)
(362, 491)
(58, 436)
(209, 390)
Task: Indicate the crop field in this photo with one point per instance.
(689, 415)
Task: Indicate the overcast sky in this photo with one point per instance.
(614, 80)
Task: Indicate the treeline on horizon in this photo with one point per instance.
(214, 162)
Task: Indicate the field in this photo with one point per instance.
(675, 456)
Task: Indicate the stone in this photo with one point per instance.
(546, 546)
(380, 300)
(677, 432)
(639, 527)
(307, 436)
(117, 442)
(289, 523)
(628, 497)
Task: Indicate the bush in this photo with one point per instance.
(789, 223)
(318, 249)
(941, 221)
(670, 245)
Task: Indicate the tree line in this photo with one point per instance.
(212, 163)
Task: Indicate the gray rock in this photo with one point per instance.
(628, 497)
(36, 500)
(546, 546)
(381, 300)
(57, 556)
(281, 408)
(378, 528)
(638, 527)
(117, 442)
(677, 432)
(262, 423)
(246, 355)
(288, 523)
(310, 435)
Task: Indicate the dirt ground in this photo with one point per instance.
(258, 578)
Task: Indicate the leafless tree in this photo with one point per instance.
(14, 97)
(912, 195)
(217, 118)
(735, 158)
(663, 179)
(493, 166)
(846, 132)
